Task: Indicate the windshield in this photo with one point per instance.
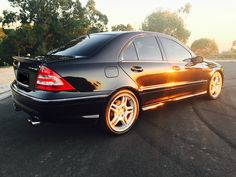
(83, 46)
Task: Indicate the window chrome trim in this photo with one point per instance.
(120, 56)
(176, 41)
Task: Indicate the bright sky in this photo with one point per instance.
(214, 19)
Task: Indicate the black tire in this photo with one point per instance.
(110, 116)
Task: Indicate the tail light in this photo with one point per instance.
(50, 81)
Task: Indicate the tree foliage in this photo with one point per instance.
(8, 47)
(122, 27)
(167, 22)
(185, 9)
(205, 47)
(96, 20)
(233, 48)
(48, 24)
(2, 35)
(227, 55)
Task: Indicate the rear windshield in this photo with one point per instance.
(84, 46)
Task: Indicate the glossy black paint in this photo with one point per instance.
(98, 76)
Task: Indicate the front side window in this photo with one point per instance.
(148, 49)
(130, 53)
(174, 51)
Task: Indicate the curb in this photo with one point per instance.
(5, 91)
(224, 61)
(5, 95)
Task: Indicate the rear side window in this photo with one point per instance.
(130, 53)
(148, 48)
(84, 46)
(174, 51)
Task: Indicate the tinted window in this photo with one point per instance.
(84, 46)
(148, 48)
(130, 53)
(174, 51)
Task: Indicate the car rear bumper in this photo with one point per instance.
(48, 106)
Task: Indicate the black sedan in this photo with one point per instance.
(111, 76)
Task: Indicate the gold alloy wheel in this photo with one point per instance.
(122, 112)
(215, 85)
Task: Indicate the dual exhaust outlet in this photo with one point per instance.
(33, 120)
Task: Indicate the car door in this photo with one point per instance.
(142, 60)
(186, 76)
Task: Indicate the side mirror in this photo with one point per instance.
(197, 59)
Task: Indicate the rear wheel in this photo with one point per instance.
(215, 85)
(121, 112)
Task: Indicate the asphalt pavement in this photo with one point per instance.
(190, 138)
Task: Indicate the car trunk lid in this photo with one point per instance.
(26, 71)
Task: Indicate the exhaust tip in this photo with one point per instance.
(34, 120)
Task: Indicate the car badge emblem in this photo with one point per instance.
(18, 64)
(32, 68)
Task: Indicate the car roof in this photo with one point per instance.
(133, 33)
(138, 33)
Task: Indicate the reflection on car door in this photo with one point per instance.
(142, 60)
(186, 77)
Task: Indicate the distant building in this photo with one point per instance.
(234, 46)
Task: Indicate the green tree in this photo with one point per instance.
(9, 18)
(205, 47)
(52, 22)
(2, 35)
(48, 24)
(8, 47)
(185, 9)
(122, 27)
(97, 22)
(233, 48)
(170, 23)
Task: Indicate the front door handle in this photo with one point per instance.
(136, 69)
(176, 68)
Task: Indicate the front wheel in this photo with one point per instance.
(215, 85)
(121, 112)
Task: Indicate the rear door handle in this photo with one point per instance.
(176, 68)
(136, 69)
